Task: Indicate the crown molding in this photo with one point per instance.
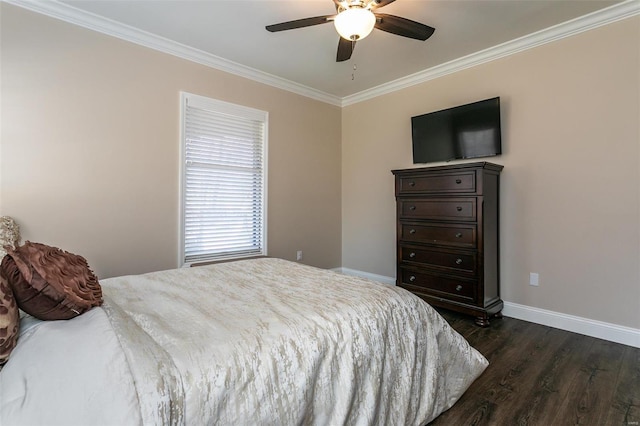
(575, 26)
(73, 15)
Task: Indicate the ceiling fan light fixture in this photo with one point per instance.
(354, 23)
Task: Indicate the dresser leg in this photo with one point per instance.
(498, 315)
(482, 321)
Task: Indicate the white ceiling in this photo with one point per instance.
(234, 31)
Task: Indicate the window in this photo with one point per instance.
(223, 180)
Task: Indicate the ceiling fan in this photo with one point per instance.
(355, 19)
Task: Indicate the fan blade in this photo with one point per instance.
(300, 23)
(377, 4)
(403, 27)
(345, 49)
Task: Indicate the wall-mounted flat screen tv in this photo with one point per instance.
(466, 131)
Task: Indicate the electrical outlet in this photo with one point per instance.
(299, 255)
(534, 279)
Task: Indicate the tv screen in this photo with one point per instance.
(466, 131)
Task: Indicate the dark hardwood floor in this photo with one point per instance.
(544, 376)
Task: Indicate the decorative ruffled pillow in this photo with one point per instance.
(49, 283)
(9, 321)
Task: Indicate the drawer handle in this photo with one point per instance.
(412, 255)
(412, 278)
(458, 261)
(458, 234)
(412, 207)
(458, 287)
(412, 183)
(459, 208)
(458, 181)
(412, 231)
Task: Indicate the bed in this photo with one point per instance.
(256, 342)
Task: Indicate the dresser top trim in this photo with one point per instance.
(477, 165)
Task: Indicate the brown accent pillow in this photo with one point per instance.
(49, 283)
(9, 321)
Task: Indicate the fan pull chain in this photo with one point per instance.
(355, 66)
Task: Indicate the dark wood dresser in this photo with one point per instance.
(448, 236)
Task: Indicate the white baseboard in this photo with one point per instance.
(598, 329)
(362, 274)
(601, 330)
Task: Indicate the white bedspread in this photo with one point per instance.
(257, 342)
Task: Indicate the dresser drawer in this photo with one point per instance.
(434, 183)
(459, 209)
(440, 234)
(438, 258)
(439, 285)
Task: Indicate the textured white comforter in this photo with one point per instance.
(257, 342)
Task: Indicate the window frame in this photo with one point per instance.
(227, 108)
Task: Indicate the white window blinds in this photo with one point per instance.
(223, 180)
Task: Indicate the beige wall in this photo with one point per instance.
(571, 183)
(90, 145)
